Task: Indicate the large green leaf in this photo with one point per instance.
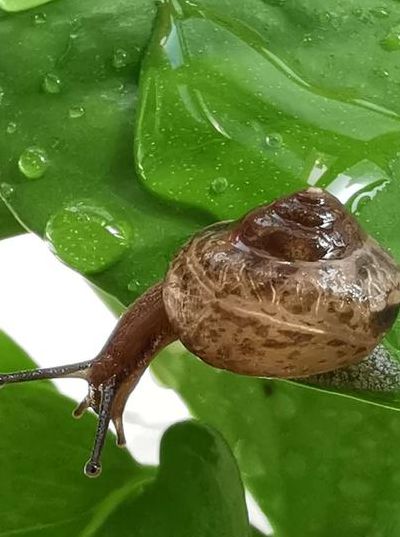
(233, 115)
(43, 491)
(42, 451)
(221, 100)
(319, 465)
(196, 492)
(69, 85)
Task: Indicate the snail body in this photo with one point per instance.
(293, 289)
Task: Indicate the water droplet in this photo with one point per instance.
(39, 18)
(76, 25)
(87, 237)
(76, 112)
(11, 127)
(33, 162)
(51, 83)
(380, 12)
(273, 140)
(133, 285)
(1, 94)
(392, 40)
(219, 185)
(6, 191)
(120, 58)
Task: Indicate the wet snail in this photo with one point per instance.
(293, 289)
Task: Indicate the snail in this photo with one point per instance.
(293, 289)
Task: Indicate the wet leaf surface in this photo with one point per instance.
(317, 464)
(43, 491)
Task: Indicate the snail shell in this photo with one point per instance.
(292, 289)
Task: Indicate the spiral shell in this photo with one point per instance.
(293, 289)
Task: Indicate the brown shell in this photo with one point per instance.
(293, 289)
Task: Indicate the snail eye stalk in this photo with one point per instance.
(104, 392)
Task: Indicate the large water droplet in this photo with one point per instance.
(76, 112)
(87, 237)
(219, 185)
(1, 94)
(52, 83)
(392, 40)
(11, 127)
(120, 58)
(33, 162)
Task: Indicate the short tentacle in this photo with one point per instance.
(119, 429)
(81, 408)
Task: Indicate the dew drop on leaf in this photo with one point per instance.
(11, 127)
(133, 285)
(120, 58)
(380, 12)
(6, 191)
(51, 83)
(33, 162)
(39, 18)
(219, 185)
(87, 237)
(76, 112)
(273, 140)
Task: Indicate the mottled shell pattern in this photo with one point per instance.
(292, 289)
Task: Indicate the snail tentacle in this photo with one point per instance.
(93, 466)
(77, 370)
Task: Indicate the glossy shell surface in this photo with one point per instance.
(293, 289)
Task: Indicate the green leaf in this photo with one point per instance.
(70, 88)
(9, 227)
(257, 533)
(42, 451)
(197, 491)
(233, 103)
(43, 491)
(317, 464)
(240, 108)
(21, 5)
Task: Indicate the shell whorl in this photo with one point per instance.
(294, 288)
(308, 226)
